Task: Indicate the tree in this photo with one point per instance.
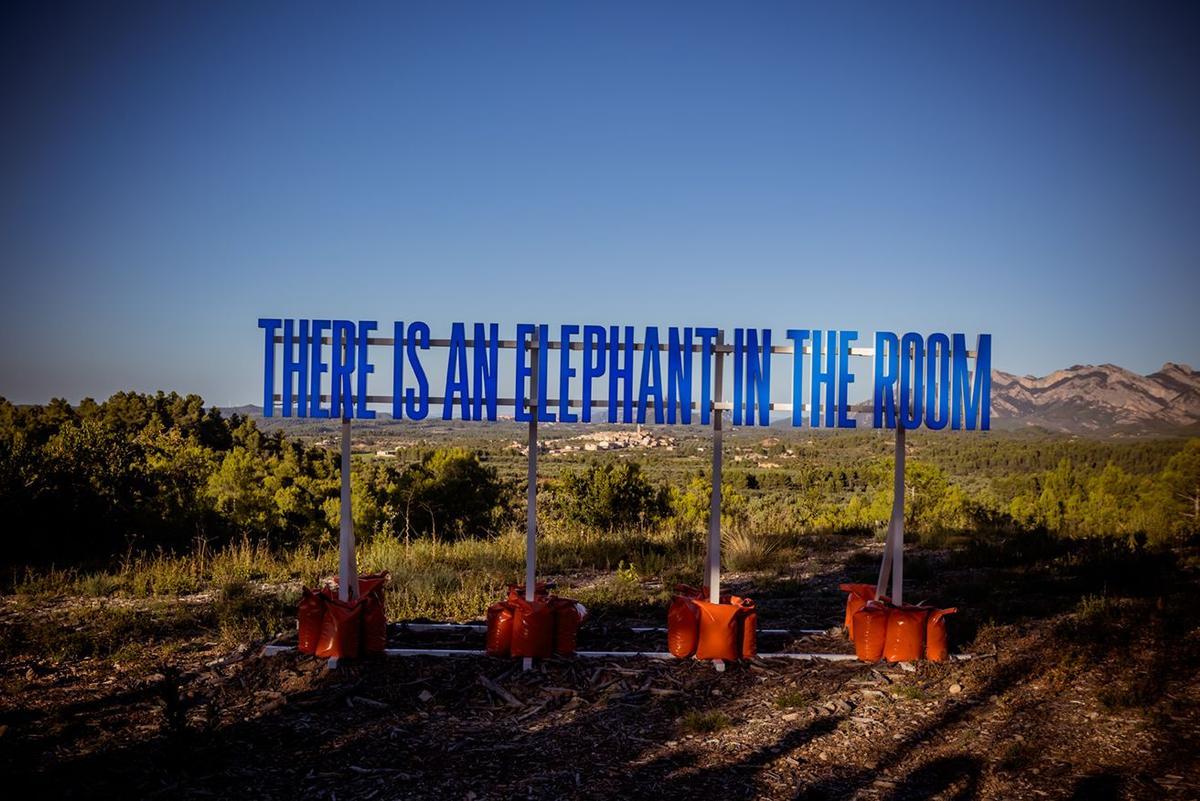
(610, 496)
(1181, 479)
(244, 494)
(1110, 504)
(692, 507)
(448, 494)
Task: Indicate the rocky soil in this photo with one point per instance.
(1089, 702)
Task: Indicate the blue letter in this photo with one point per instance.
(739, 355)
(544, 414)
(758, 377)
(620, 373)
(823, 378)
(295, 368)
(679, 375)
(651, 383)
(365, 368)
(886, 375)
(520, 410)
(912, 380)
(845, 379)
(397, 370)
(319, 327)
(487, 352)
(937, 382)
(973, 399)
(708, 337)
(341, 402)
(593, 342)
(457, 377)
(798, 336)
(417, 403)
(269, 325)
(565, 373)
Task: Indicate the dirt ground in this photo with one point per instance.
(1062, 699)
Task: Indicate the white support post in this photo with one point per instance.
(531, 492)
(712, 565)
(893, 550)
(898, 517)
(347, 569)
(885, 567)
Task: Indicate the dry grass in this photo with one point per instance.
(697, 722)
(746, 550)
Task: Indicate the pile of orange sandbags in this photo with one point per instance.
(695, 627)
(546, 625)
(881, 630)
(339, 629)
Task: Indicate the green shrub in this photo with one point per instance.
(793, 699)
(696, 722)
(449, 494)
(692, 506)
(610, 496)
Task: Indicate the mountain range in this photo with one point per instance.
(1100, 399)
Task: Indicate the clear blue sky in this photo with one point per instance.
(173, 171)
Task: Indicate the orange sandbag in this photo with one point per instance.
(499, 629)
(568, 615)
(374, 623)
(683, 626)
(691, 592)
(935, 635)
(749, 626)
(857, 598)
(310, 613)
(340, 629)
(905, 638)
(372, 583)
(540, 591)
(719, 631)
(870, 631)
(533, 628)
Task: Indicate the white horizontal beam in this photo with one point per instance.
(811, 657)
(553, 403)
(272, 650)
(481, 627)
(433, 652)
(512, 344)
(648, 629)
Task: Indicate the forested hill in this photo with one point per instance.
(144, 472)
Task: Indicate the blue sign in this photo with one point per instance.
(918, 380)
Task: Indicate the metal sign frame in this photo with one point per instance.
(892, 566)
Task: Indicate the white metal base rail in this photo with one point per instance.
(422, 628)
(273, 650)
(348, 574)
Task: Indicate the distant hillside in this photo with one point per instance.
(1104, 399)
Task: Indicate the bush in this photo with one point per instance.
(447, 494)
(692, 506)
(610, 496)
